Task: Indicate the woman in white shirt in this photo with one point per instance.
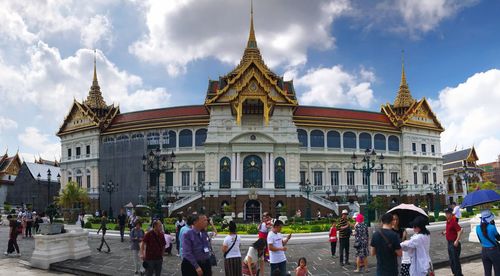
(417, 248)
(232, 253)
(253, 264)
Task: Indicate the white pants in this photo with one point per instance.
(137, 261)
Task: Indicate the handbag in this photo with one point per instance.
(212, 258)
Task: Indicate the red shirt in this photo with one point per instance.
(155, 245)
(333, 234)
(452, 229)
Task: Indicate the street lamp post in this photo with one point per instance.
(437, 188)
(49, 176)
(110, 188)
(306, 188)
(368, 166)
(200, 187)
(400, 186)
(157, 164)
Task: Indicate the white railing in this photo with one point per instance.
(323, 202)
(182, 202)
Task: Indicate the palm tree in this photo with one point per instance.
(73, 197)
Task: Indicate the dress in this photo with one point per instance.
(361, 237)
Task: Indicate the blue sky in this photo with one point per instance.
(340, 53)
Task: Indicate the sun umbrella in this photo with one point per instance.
(480, 197)
(407, 213)
(129, 205)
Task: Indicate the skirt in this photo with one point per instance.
(232, 266)
(405, 269)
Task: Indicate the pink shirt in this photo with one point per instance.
(168, 240)
(301, 271)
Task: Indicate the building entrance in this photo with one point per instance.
(252, 172)
(252, 210)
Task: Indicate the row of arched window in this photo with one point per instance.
(167, 139)
(225, 173)
(79, 177)
(348, 140)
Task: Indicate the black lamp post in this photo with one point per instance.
(368, 166)
(157, 164)
(306, 188)
(110, 187)
(200, 187)
(347, 191)
(49, 176)
(437, 188)
(400, 186)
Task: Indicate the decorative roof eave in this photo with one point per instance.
(418, 105)
(472, 157)
(108, 119)
(84, 109)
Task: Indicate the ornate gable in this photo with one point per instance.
(421, 115)
(10, 165)
(79, 117)
(251, 80)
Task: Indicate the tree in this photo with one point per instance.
(488, 185)
(73, 197)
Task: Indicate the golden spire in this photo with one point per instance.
(403, 98)
(94, 99)
(252, 41)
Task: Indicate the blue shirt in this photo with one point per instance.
(183, 231)
(491, 230)
(195, 247)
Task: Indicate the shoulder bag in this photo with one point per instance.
(234, 242)
(495, 243)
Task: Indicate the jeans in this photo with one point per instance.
(122, 231)
(187, 268)
(137, 260)
(454, 257)
(280, 266)
(333, 247)
(12, 245)
(154, 266)
(344, 248)
(491, 257)
(27, 231)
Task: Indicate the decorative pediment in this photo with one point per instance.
(79, 117)
(419, 115)
(253, 138)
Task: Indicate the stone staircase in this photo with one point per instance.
(323, 202)
(182, 202)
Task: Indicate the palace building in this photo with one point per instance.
(252, 147)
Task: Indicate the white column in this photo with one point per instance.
(233, 167)
(237, 166)
(325, 178)
(266, 167)
(271, 166)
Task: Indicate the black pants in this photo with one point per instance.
(491, 258)
(103, 241)
(168, 250)
(122, 231)
(27, 231)
(36, 226)
(333, 247)
(187, 268)
(344, 248)
(154, 267)
(12, 245)
(454, 257)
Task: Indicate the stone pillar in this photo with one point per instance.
(234, 167)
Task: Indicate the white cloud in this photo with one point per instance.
(470, 115)
(6, 123)
(180, 32)
(99, 28)
(336, 87)
(38, 143)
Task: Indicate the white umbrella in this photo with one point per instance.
(407, 213)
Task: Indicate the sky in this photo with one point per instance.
(340, 53)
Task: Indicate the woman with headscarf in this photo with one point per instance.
(418, 248)
(488, 236)
(361, 243)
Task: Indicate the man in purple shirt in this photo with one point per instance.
(196, 249)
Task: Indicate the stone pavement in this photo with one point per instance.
(474, 268)
(14, 266)
(317, 252)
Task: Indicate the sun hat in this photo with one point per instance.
(487, 216)
(360, 218)
(345, 211)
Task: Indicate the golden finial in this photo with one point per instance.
(403, 98)
(95, 69)
(252, 41)
(403, 75)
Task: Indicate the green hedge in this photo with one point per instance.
(442, 218)
(432, 219)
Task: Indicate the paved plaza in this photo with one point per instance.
(314, 248)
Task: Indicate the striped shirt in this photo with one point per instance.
(343, 232)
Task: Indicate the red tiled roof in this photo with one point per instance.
(315, 111)
(179, 111)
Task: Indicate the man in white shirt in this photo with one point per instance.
(456, 210)
(277, 248)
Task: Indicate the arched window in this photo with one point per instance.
(333, 139)
(279, 173)
(380, 142)
(393, 143)
(137, 136)
(317, 139)
(200, 137)
(365, 141)
(109, 140)
(349, 140)
(169, 139)
(302, 137)
(186, 138)
(153, 139)
(79, 178)
(70, 176)
(450, 185)
(225, 173)
(89, 177)
(122, 138)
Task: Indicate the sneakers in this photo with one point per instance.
(17, 255)
(6, 253)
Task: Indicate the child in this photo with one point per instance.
(301, 269)
(169, 240)
(333, 238)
